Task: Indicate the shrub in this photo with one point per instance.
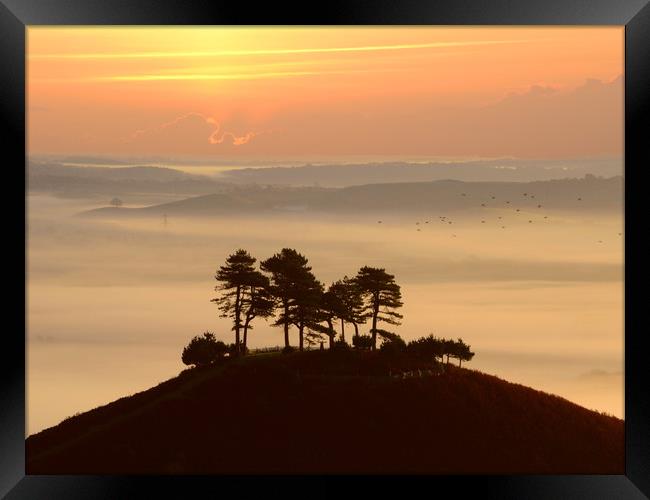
(288, 349)
(231, 349)
(362, 341)
(391, 342)
(340, 345)
(203, 349)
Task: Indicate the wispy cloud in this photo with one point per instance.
(194, 124)
(258, 52)
(151, 77)
(207, 76)
(175, 121)
(236, 140)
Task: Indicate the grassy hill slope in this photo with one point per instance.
(323, 412)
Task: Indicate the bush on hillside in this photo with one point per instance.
(340, 344)
(203, 349)
(392, 343)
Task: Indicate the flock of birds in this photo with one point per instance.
(445, 220)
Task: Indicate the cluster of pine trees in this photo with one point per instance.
(285, 288)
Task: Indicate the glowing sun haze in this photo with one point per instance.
(223, 92)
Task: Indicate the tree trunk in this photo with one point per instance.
(356, 329)
(375, 311)
(342, 330)
(245, 341)
(237, 317)
(300, 332)
(331, 334)
(460, 362)
(286, 325)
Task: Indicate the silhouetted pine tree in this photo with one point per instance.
(348, 303)
(306, 311)
(237, 279)
(382, 296)
(257, 302)
(462, 352)
(289, 273)
(330, 307)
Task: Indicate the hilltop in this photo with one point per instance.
(331, 412)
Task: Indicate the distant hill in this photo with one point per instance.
(587, 193)
(498, 170)
(107, 182)
(325, 412)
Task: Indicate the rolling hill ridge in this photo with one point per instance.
(590, 193)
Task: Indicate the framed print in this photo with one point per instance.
(373, 241)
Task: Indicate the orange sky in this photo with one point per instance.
(240, 93)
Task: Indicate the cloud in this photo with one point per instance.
(599, 374)
(541, 122)
(209, 76)
(236, 140)
(587, 120)
(279, 51)
(191, 131)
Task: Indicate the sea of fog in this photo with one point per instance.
(110, 304)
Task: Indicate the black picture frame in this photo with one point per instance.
(16, 15)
